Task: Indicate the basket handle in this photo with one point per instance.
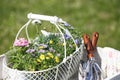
(31, 16)
(45, 18)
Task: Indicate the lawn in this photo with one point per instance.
(86, 16)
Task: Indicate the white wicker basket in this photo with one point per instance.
(63, 71)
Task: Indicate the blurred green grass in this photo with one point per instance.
(87, 16)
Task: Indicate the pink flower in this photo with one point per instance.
(21, 42)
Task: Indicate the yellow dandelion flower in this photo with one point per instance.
(50, 55)
(57, 59)
(38, 60)
(64, 44)
(45, 66)
(41, 47)
(51, 42)
(47, 57)
(74, 45)
(42, 57)
(31, 68)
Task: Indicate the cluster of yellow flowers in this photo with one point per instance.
(47, 57)
(51, 42)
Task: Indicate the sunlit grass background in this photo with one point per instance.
(87, 16)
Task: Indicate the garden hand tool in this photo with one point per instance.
(92, 69)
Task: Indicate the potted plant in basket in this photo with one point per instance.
(41, 53)
(47, 56)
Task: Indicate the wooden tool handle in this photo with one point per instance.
(95, 37)
(90, 45)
